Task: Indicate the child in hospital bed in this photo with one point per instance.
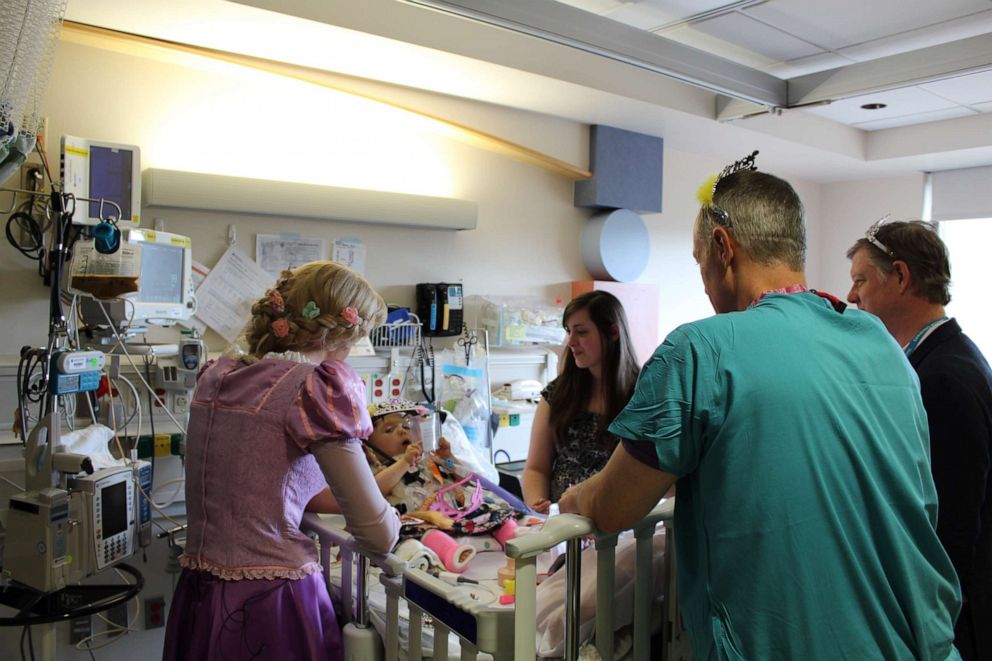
(408, 478)
(432, 490)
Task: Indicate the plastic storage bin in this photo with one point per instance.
(514, 321)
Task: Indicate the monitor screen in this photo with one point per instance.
(99, 170)
(161, 273)
(110, 179)
(113, 508)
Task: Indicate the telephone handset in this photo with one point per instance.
(441, 308)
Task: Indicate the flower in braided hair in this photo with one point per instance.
(350, 315)
(276, 301)
(280, 327)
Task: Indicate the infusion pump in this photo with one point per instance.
(56, 537)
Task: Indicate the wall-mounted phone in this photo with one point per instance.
(441, 308)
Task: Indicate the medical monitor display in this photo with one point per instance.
(110, 179)
(165, 283)
(161, 273)
(113, 509)
(99, 170)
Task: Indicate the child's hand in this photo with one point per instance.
(412, 454)
(542, 505)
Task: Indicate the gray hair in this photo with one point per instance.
(766, 218)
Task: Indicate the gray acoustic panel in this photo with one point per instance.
(626, 171)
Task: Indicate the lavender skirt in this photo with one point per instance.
(211, 618)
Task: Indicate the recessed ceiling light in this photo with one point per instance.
(873, 106)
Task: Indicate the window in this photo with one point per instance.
(967, 242)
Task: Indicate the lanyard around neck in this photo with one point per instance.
(922, 335)
(790, 289)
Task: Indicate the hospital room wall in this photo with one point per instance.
(235, 122)
(848, 208)
(224, 120)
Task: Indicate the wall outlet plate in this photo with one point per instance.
(154, 612)
(80, 628)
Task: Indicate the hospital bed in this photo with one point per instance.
(481, 626)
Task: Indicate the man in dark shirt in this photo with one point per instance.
(901, 273)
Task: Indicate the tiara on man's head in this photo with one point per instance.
(871, 236)
(746, 163)
(708, 189)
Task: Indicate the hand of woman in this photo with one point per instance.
(542, 505)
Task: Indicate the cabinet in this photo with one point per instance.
(640, 303)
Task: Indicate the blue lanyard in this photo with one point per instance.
(922, 335)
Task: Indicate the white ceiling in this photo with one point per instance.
(789, 38)
(940, 125)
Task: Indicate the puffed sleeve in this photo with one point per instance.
(329, 407)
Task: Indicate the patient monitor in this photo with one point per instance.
(149, 279)
(99, 170)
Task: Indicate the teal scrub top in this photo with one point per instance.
(806, 512)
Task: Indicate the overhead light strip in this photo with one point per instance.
(575, 28)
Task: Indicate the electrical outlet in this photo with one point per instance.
(154, 612)
(32, 176)
(180, 403)
(80, 628)
(378, 388)
(395, 384)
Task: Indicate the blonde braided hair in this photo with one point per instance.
(331, 288)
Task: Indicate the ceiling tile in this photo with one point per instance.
(900, 102)
(652, 14)
(841, 23)
(924, 37)
(757, 37)
(690, 36)
(916, 118)
(967, 90)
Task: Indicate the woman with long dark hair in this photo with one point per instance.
(569, 441)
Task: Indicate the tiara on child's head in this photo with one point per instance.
(379, 409)
(708, 189)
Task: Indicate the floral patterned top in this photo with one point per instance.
(578, 456)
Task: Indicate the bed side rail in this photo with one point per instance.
(571, 529)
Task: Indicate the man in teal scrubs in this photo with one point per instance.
(805, 511)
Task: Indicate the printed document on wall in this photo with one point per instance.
(275, 252)
(224, 300)
(351, 253)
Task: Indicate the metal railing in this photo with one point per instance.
(484, 627)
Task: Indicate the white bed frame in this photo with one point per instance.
(490, 629)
